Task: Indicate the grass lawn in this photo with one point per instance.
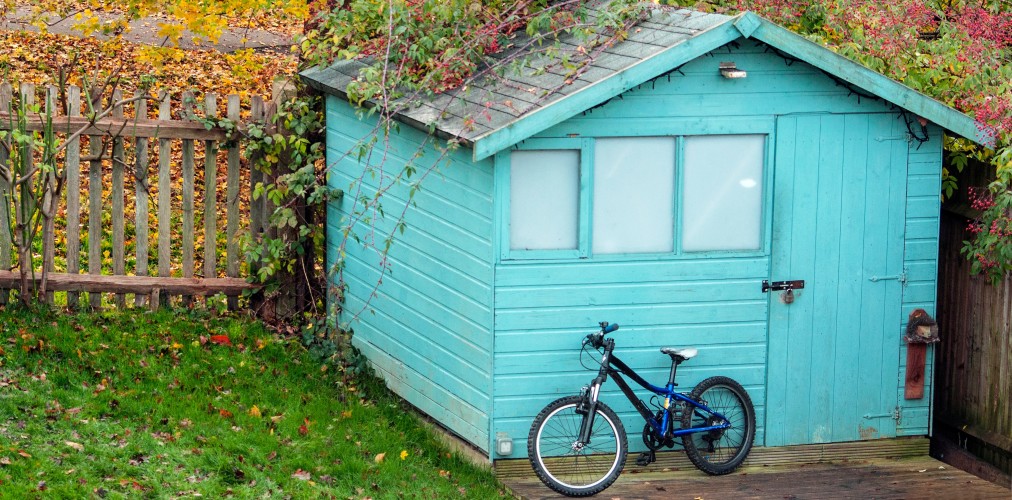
(146, 404)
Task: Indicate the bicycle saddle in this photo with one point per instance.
(681, 354)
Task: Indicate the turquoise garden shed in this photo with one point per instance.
(657, 189)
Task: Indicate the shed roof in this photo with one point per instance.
(495, 112)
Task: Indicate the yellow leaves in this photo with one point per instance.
(346, 414)
(379, 457)
(254, 412)
(404, 454)
(171, 31)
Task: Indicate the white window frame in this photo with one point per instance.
(677, 129)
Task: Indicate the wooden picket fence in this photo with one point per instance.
(119, 147)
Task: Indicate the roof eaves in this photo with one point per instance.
(752, 26)
(558, 111)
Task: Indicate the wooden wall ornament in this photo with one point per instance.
(921, 331)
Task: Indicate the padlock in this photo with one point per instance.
(787, 297)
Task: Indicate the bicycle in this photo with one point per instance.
(577, 445)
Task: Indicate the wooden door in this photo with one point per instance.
(838, 223)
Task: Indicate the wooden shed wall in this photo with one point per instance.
(427, 330)
(542, 309)
(924, 205)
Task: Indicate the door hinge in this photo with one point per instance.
(902, 278)
(895, 415)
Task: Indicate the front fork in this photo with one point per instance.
(588, 408)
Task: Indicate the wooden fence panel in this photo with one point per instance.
(232, 203)
(118, 212)
(188, 174)
(6, 96)
(210, 194)
(118, 146)
(164, 198)
(141, 171)
(95, 148)
(72, 171)
(974, 357)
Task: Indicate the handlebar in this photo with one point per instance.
(596, 340)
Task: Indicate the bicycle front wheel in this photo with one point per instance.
(719, 451)
(563, 465)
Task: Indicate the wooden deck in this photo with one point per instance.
(866, 477)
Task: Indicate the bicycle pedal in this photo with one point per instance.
(645, 459)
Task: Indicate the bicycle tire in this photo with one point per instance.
(719, 452)
(576, 473)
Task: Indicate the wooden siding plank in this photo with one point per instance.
(918, 229)
(924, 206)
(707, 312)
(141, 195)
(660, 270)
(829, 301)
(676, 334)
(850, 267)
(631, 293)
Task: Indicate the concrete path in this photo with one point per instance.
(143, 31)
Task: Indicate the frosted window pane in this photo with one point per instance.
(634, 182)
(544, 199)
(722, 199)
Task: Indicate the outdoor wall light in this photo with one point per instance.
(503, 444)
(729, 70)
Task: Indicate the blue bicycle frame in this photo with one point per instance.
(611, 365)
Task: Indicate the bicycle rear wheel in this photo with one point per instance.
(719, 451)
(572, 470)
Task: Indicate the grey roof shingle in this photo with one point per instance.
(494, 101)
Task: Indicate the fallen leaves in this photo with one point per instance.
(254, 412)
(379, 457)
(302, 475)
(76, 446)
(221, 340)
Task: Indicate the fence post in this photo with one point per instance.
(72, 169)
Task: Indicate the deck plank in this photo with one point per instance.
(884, 478)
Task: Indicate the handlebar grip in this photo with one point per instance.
(610, 328)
